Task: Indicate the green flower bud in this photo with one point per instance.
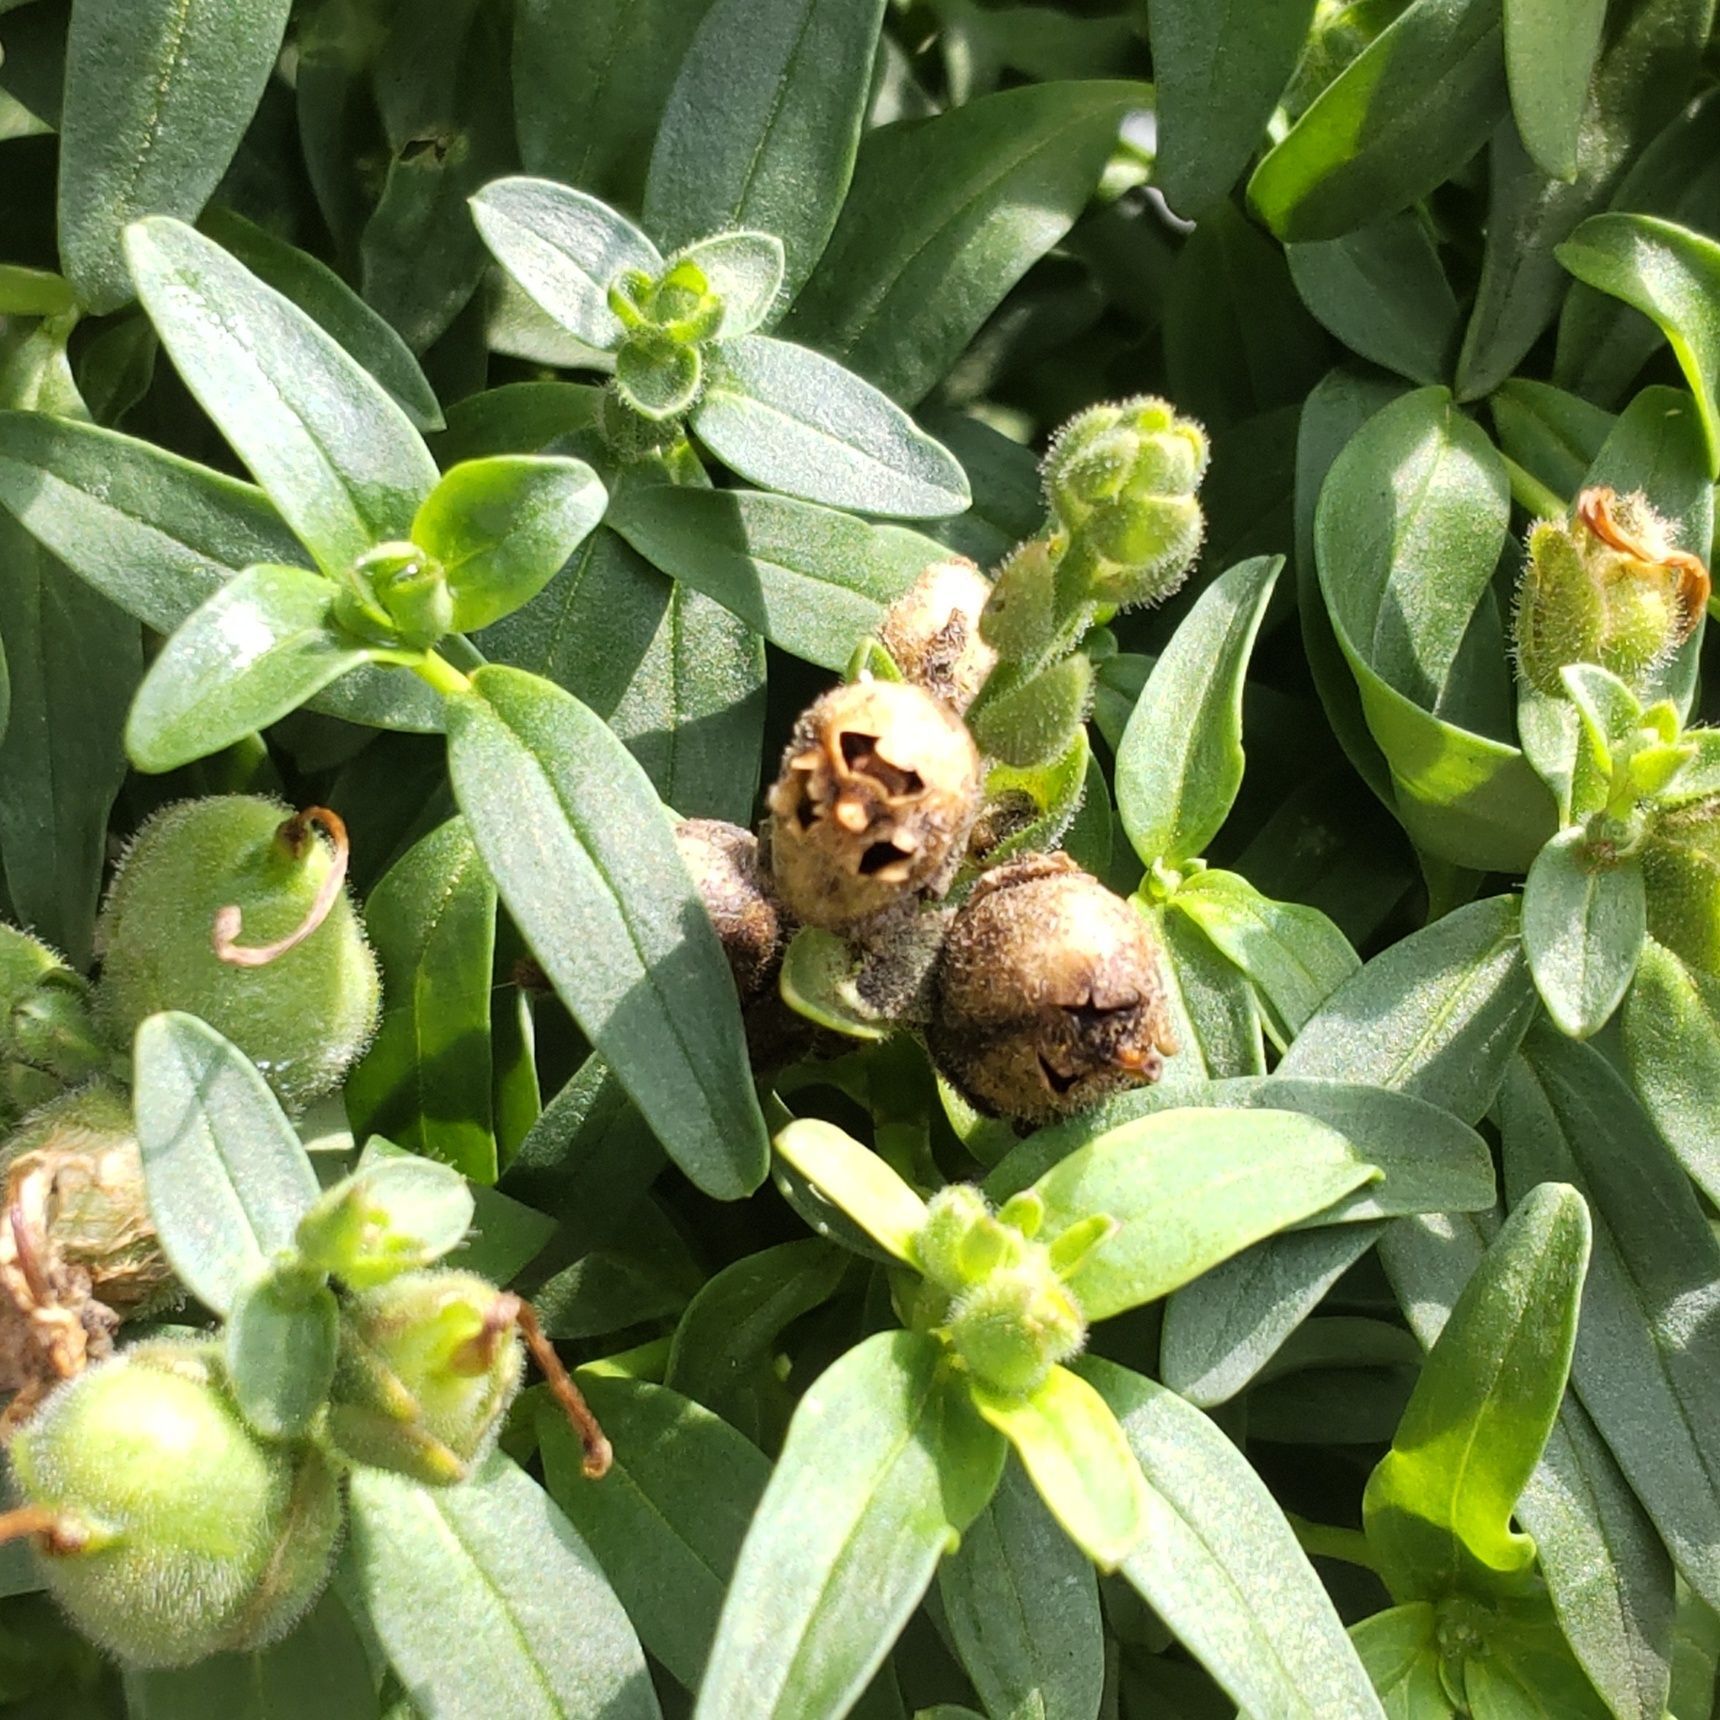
(1681, 873)
(397, 595)
(165, 1528)
(1122, 483)
(1606, 587)
(429, 1364)
(80, 1253)
(877, 795)
(299, 996)
(1016, 1324)
(952, 1215)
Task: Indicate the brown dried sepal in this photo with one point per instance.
(723, 860)
(1049, 994)
(932, 632)
(78, 1253)
(877, 794)
(1617, 522)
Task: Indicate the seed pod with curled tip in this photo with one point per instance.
(1048, 993)
(164, 1526)
(78, 1249)
(234, 909)
(1607, 586)
(878, 791)
(723, 860)
(932, 631)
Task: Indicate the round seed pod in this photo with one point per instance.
(932, 632)
(80, 1254)
(878, 791)
(429, 1363)
(299, 996)
(724, 863)
(1048, 993)
(166, 1528)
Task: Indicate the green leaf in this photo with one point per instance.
(279, 1354)
(580, 850)
(1220, 1566)
(1672, 276)
(856, 1179)
(1023, 1610)
(158, 535)
(1383, 292)
(1295, 957)
(793, 420)
(1077, 1458)
(1039, 721)
(1395, 123)
(667, 1521)
(1219, 71)
(565, 249)
(1400, 1650)
(158, 95)
(262, 646)
(318, 291)
(1645, 1366)
(945, 216)
(1672, 1050)
(502, 528)
(228, 1180)
(339, 459)
(1437, 1015)
(1550, 50)
(590, 87)
(1438, 1508)
(1583, 929)
(885, 1464)
(1187, 1188)
(1180, 761)
(1215, 1014)
(1553, 435)
(425, 1079)
(811, 580)
(471, 1590)
(395, 1213)
(762, 125)
(72, 661)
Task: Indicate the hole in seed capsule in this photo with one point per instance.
(1055, 1079)
(860, 753)
(880, 855)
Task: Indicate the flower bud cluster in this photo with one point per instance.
(397, 594)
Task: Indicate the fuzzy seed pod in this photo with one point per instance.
(878, 791)
(1122, 483)
(80, 1253)
(1606, 587)
(428, 1365)
(1048, 994)
(1015, 1325)
(165, 1527)
(1681, 872)
(299, 995)
(932, 632)
(723, 861)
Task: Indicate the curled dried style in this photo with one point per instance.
(1048, 993)
(1595, 508)
(877, 794)
(293, 835)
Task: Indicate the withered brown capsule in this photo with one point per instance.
(878, 791)
(1048, 994)
(932, 631)
(723, 860)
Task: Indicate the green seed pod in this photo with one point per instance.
(878, 792)
(1606, 587)
(1122, 483)
(723, 860)
(932, 631)
(166, 1529)
(1681, 872)
(1048, 993)
(429, 1364)
(1016, 1324)
(300, 996)
(80, 1253)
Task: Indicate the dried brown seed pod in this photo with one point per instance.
(878, 792)
(932, 631)
(724, 862)
(1048, 993)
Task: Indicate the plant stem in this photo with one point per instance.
(441, 674)
(1350, 1545)
(1531, 495)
